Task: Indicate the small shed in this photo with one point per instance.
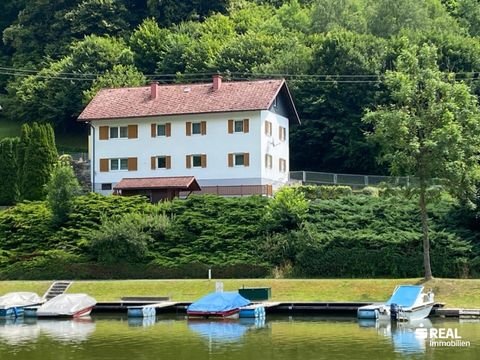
(156, 188)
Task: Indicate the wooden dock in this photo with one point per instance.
(277, 307)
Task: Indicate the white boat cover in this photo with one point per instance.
(66, 305)
(19, 299)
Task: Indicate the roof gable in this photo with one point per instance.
(180, 99)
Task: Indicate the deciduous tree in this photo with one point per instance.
(430, 130)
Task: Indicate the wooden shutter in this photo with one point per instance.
(168, 129)
(230, 160)
(203, 161)
(104, 164)
(153, 130)
(103, 133)
(153, 162)
(132, 131)
(168, 162)
(132, 164)
(246, 125)
(203, 127)
(188, 161)
(246, 159)
(230, 126)
(188, 128)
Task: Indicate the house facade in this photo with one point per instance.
(227, 135)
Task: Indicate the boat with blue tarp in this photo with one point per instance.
(408, 302)
(217, 305)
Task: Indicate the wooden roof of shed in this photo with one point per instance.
(184, 183)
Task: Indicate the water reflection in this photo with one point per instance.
(20, 330)
(15, 331)
(225, 330)
(142, 321)
(407, 337)
(71, 330)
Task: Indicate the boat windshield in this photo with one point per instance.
(405, 295)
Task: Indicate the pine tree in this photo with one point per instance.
(25, 135)
(38, 162)
(8, 171)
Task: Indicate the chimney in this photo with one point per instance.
(153, 90)
(217, 82)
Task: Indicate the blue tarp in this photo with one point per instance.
(405, 295)
(219, 302)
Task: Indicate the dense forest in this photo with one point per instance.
(334, 54)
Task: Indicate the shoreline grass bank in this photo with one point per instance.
(461, 293)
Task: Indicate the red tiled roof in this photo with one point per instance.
(184, 99)
(177, 182)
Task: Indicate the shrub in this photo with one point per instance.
(370, 191)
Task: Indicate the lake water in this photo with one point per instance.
(282, 338)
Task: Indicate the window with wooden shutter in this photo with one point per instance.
(132, 131)
(246, 125)
(188, 161)
(132, 164)
(168, 129)
(103, 133)
(104, 165)
(153, 130)
(230, 160)
(268, 128)
(230, 126)
(282, 133)
(204, 161)
(188, 128)
(246, 159)
(203, 126)
(153, 162)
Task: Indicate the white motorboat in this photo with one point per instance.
(408, 302)
(67, 305)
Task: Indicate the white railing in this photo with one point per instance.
(355, 180)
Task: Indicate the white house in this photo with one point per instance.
(230, 138)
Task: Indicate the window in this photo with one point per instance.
(282, 163)
(118, 132)
(197, 160)
(196, 128)
(268, 128)
(268, 161)
(119, 164)
(161, 130)
(107, 186)
(239, 160)
(238, 125)
(282, 133)
(161, 162)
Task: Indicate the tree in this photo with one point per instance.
(8, 171)
(119, 76)
(38, 162)
(431, 130)
(61, 190)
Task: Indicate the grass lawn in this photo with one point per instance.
(453, 292)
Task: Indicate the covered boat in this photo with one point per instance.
(408, 302)
(67, 305)
(13, 304)
(217, 305)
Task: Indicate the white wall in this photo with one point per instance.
(217, 144)
(273, 146)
